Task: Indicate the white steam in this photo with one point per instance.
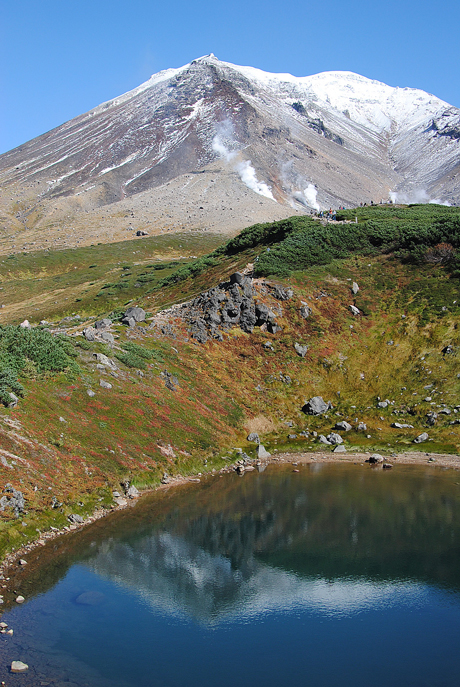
(227, 149)
(248, 176)
(308, 197)
(310, 194)
(416, 196)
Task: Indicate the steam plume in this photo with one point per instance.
(227, 149)
(310, 194)
(416, 196)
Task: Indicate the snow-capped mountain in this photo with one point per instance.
(216, 146)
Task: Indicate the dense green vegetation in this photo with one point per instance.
(416, 234)
(33, 351)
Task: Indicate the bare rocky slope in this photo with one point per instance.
(215, 147)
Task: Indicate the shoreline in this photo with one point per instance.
(12, 559)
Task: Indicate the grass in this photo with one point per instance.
(78, 448)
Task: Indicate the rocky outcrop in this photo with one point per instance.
(231, 304)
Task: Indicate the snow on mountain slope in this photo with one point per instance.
(269, 138)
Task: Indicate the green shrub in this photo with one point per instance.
(19, 347)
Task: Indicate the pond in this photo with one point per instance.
(337, 574)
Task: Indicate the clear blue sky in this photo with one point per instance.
(60, 58)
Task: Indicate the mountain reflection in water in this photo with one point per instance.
(334, 539)
(177, 577)
(277, 578)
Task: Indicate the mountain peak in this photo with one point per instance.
(216, 146)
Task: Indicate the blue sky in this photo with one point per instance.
(60, 58)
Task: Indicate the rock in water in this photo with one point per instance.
(91, 598)
(19, 667)
(375, 458)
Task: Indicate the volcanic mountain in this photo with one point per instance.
(215, 147)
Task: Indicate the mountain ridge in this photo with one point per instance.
(273, 145)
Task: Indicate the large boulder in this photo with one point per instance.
(343, 425)
(421, 438)
(316, 406)
(133, 315)
(334, 438)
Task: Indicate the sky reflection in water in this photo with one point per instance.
(336, 576)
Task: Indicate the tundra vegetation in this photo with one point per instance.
(166, 404)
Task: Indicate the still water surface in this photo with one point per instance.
(336, 575)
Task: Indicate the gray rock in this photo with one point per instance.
(354, 310)
(26, 324)
(445, 411)
(382, 404)
(75, 519)
(90, 393)
(104, 360)
(108, 337)
(262, 453)
(103, 324)
(305, 311)
(375, 458)
(421, 438)
(253, 437)
(14, 400)
(282, 293)
(13, 499)
(132, 492)
(322, 440)
(264, 314)
(340, 448)
(334, 438)
(301, 350)
(238, 278)
(399, 425)
(171, 382)
(135, 314)
(316, 406)
(104, 384)
(89, 333)
(362, 427)
(431, 418)
(354, 288)
(345, 426)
